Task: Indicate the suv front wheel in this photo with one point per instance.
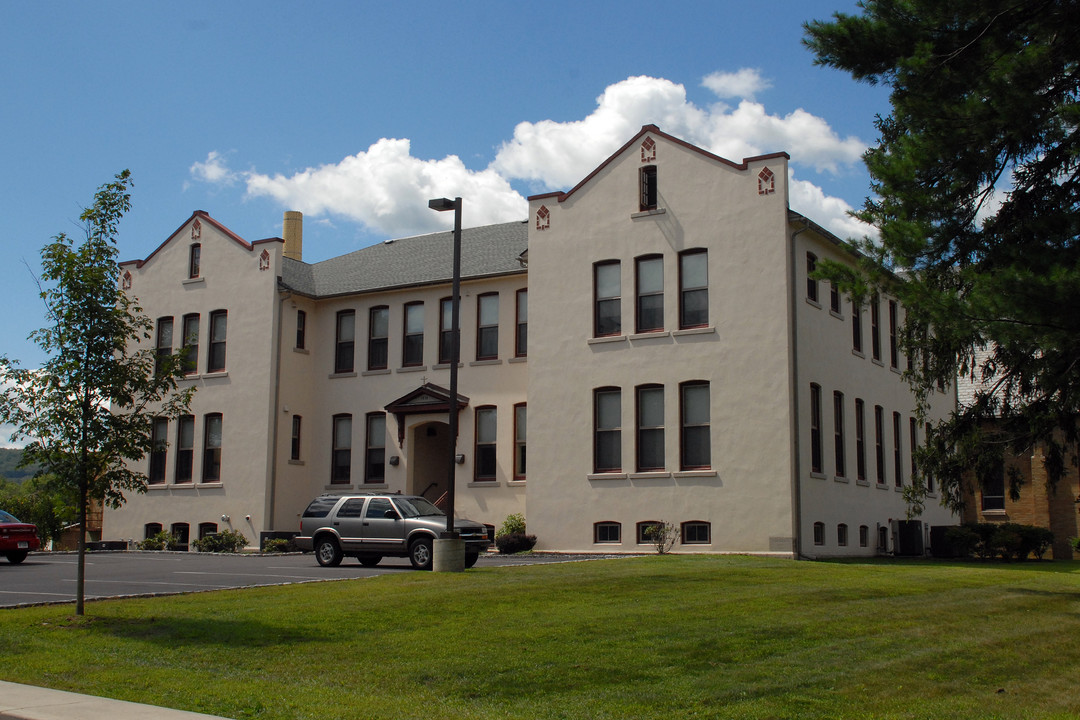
(327, 552)
(420, 553)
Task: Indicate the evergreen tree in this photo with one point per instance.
(975, 195)
(91, 406)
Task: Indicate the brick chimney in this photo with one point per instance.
(292, 231)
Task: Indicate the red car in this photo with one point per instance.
(16, 538)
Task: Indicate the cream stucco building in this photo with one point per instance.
(647, 347)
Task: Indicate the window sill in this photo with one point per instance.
(695, 474)
(863, 483)
(192, 376)
(858, 353)
(607, 339)
(649, 475)
(194, 281)
(484, 483)
(895, 369)
(898, 488)
(446, 366)
(302, 351)
(211, 375)
(334, 376)
(648, 213)
(882, 486)
(650, 335)
(412, 369)
(814, 303)
(380, 371)
(606, 476)
(994, 513)
(157, 486)
(214, 484)
(836, 314)
(877, 361)
(817, 475)
(694, 331)
(295, 462)
(516, 483)
(840, 479)
(521, 359)
(481, 363)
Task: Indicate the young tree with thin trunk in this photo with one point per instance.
(88, 411)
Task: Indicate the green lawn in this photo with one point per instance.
(647, 637)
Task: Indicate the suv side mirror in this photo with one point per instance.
(390, 515)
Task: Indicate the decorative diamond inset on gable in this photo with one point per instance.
(264, 260)
(125, 282)
(196, 229)
(766, 183)
(543, 218)
(648, 150)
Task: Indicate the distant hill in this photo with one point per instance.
(9, 460)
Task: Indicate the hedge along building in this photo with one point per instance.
(676, 365)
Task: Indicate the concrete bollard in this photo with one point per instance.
(448, 555)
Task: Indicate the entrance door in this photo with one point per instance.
(428, 460)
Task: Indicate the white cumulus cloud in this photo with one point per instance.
(831, 213)
(743, 84)
(386, 188)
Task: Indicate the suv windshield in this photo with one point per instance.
(416, 506)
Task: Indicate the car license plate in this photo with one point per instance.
(23, 545)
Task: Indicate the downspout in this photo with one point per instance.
(272, 492)
(796, 484)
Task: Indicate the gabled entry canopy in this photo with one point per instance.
(426, 399)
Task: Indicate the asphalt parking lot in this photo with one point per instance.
(45, 578)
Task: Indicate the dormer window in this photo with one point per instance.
(194, 260)
(648, 188)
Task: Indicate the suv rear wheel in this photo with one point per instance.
(327, 552)
(420, 553)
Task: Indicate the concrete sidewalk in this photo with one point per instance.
(26, 702)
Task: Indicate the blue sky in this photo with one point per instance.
(356, 112)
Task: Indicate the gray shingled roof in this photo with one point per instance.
(421, 260)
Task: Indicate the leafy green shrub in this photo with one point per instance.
(512, 524)
(514, 542)
(663, 536)
(277, 545)
(226, 541)
(1009, 541)
(962, 539)
(159, 541)
(1075, 543)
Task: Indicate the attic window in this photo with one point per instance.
(648, 187)
(194, 260)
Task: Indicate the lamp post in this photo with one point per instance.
(449, 555)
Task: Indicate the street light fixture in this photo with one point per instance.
(451, 535)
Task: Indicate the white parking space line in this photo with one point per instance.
(256, 575)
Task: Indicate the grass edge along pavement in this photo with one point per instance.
(676, 636)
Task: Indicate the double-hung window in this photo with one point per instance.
(487, 326)
(856, 327)
(486, 433)
(879, 443)
(215, 359)
(860, 439)
(341, 450)
(650, 293)
(894, 349)
(607, 319)
(650, 428)
(301, 329)
(607, 432)
(159, 450)
(191, 344)
(838, 434)
(195, 261)
(898, 464)
(695, 441)
(811, 283)
(378, 337)
(446, 331)
(294, 446)
(185, 449)
(345, 341)
(816, 464)
(164, 343)
(412, 352)
(693, 289)
(375, 449)
(875, 329)
(993, 488)
(521, 333)
(211, 471)
(520, 434)
(649, 189)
